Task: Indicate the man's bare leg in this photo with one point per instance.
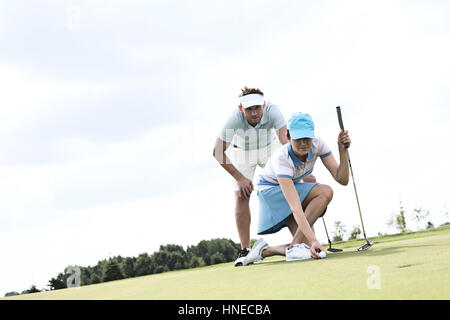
(242, 214)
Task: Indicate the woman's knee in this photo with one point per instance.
(327, 192)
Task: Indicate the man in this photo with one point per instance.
(246, 141)
(284, 201)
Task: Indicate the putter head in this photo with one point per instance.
(366, 246)
(334, 249)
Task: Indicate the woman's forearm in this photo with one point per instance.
(293, 199)
(304, 226)
(342, 174)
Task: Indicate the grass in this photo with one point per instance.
(403, 266)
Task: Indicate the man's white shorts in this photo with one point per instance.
(247, 160)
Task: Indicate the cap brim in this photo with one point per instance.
(300, 134)
(251, 100)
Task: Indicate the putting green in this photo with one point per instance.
(408, 266)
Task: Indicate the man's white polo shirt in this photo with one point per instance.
(239, 132)
(284, 163)
(252, 146)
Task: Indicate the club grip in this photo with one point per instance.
(341, 123)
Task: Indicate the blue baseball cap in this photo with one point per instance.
(301, 125)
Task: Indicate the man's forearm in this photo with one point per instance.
(219, 154)
(229, 167)
(235, 173)
(283, 140)
(282, 136)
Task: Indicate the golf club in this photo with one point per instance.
(329, 242)
(368, 243)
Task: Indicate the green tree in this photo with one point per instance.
(97, 272)
(144, 265)
(400, 220)
(418, 215)
(85, 278)
(355, 232)
(217, 257)
(160, 258)
(206, 248)
(339, 232)
(112, 271)
(196, 262)
(172, 248)
(128, 267)
(177, 261)
(161, 269)
(60, 282)
(173, 256)
(33, 289)
(95, 278)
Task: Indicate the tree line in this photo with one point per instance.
(169, 257)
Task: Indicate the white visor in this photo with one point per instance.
(250, 100)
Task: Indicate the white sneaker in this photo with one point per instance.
(241, 257)
(255, 254)
(298, 252)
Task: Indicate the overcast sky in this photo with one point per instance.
(109, 111)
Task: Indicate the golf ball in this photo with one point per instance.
(322, 254)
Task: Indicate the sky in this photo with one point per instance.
(109, 111)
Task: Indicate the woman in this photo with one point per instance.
(286, 201)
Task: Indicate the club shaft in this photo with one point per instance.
(356, 194)
(341, 124)
(326, 231)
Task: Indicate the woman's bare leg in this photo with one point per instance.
(314, 204)
(275, 251)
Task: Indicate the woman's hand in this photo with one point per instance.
(344, 140)
(315, 246)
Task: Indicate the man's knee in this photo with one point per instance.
(241, 200)
(242, 205)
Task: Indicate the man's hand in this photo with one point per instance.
(245, 187)
(315, 245)
(309, 178)
(344, 140)
(281, 133)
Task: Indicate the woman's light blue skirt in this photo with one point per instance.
(274, 209)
